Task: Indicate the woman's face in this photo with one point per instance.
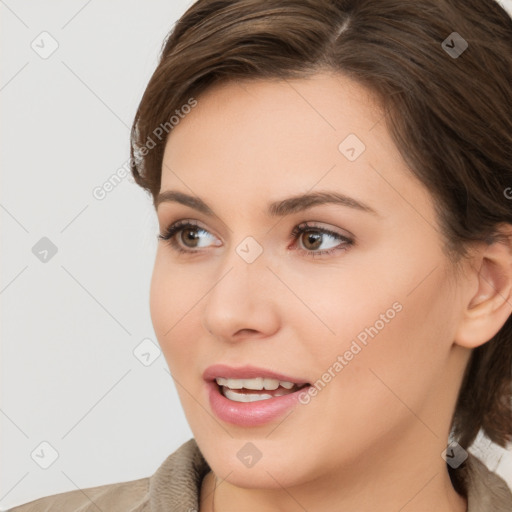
(361, 303)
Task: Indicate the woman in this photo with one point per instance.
(332, 287)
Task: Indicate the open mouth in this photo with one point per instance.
(247, 399)
(255, 390)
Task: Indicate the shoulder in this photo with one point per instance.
(486, 491)
(131, 496)
(174, 486)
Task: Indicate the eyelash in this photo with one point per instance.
(169, 237)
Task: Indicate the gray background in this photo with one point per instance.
(72, 320)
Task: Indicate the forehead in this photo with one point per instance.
(254, 112)
(261, 139)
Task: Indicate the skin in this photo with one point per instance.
(372, 438)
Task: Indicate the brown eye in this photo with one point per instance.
(185, 236)
(189, 237)
(316, 241)
(312, 240)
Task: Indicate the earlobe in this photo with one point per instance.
(489, 307)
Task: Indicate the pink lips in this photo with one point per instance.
(248, 414)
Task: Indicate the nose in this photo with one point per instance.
(243, 301)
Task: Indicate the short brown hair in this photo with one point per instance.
(449, 115)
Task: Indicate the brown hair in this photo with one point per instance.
(449, 115)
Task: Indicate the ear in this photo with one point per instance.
(487, 310)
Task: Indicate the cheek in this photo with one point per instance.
(161, 302)
(394, 348)
(173, 294)
(401, 363)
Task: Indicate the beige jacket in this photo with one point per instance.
(176, 484)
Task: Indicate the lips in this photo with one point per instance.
(250, 413)
(248, 372)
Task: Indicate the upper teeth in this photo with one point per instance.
(257, 383)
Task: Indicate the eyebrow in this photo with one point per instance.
(279, 208)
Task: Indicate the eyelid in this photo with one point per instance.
(184, 222)
(325, 227)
